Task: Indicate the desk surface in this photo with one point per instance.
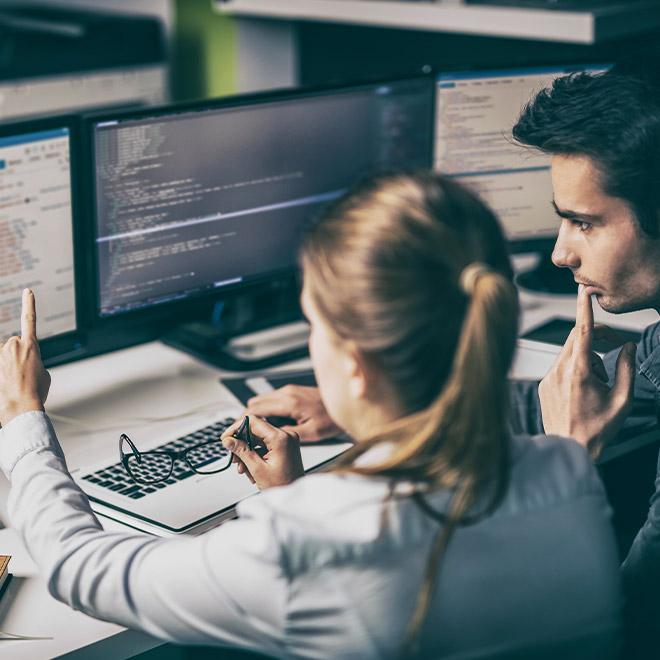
(151, 385)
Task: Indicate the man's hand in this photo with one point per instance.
(303, 404)
(280, 465)
(576, 400)
(24, 383)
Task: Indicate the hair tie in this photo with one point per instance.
(470, 274)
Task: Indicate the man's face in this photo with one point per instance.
(600, 241)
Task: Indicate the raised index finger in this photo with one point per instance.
(28, 317)
(584, 323)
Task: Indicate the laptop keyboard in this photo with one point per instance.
(115, 478)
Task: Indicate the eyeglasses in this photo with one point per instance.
(151, 467)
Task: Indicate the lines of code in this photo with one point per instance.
(190, 202)
(475, 113)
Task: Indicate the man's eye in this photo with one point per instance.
(582, 226)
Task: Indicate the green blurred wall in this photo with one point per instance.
(204, 51)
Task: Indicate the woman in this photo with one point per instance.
(438, 534)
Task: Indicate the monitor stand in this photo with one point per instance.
(249, 331)
(254, 352)
(545, 277)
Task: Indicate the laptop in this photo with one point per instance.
(188, 502)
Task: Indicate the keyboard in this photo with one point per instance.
(115, 478)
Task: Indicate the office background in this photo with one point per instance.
(216, 49)
(209, 39)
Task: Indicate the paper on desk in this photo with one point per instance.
(259, 385)
(11, 599)
(11, 636)
(533, 359)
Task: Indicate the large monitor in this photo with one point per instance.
(196, 200)
(475, 112)
(37, 231)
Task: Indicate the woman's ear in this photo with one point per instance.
(356, 371)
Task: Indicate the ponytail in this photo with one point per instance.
(464, 430)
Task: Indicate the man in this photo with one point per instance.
(603, 135)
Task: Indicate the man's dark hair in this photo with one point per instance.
(612, 118)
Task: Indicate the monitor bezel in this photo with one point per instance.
(65, 346)
(152, 322)
(526, 244)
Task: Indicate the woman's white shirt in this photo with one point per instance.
(330, 567)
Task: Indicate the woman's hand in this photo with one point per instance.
(302, 404)
(282, 462)
(24, 383)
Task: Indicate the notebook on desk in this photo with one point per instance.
(187, 502)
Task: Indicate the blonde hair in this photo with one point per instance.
(413, 269)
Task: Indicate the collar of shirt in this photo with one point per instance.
(651, 366)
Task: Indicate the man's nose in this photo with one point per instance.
(564, 254)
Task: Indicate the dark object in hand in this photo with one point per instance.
(243, 433)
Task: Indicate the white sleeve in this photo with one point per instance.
(227, 586)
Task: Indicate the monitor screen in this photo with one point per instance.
(36, 228)
(475, 112)
(193, 201)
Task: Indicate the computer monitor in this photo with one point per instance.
(475, 112)
(37, 232)
(197, 200)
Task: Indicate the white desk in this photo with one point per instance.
(152, 380)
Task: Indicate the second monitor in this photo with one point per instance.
(37, 211)
(475, 112)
